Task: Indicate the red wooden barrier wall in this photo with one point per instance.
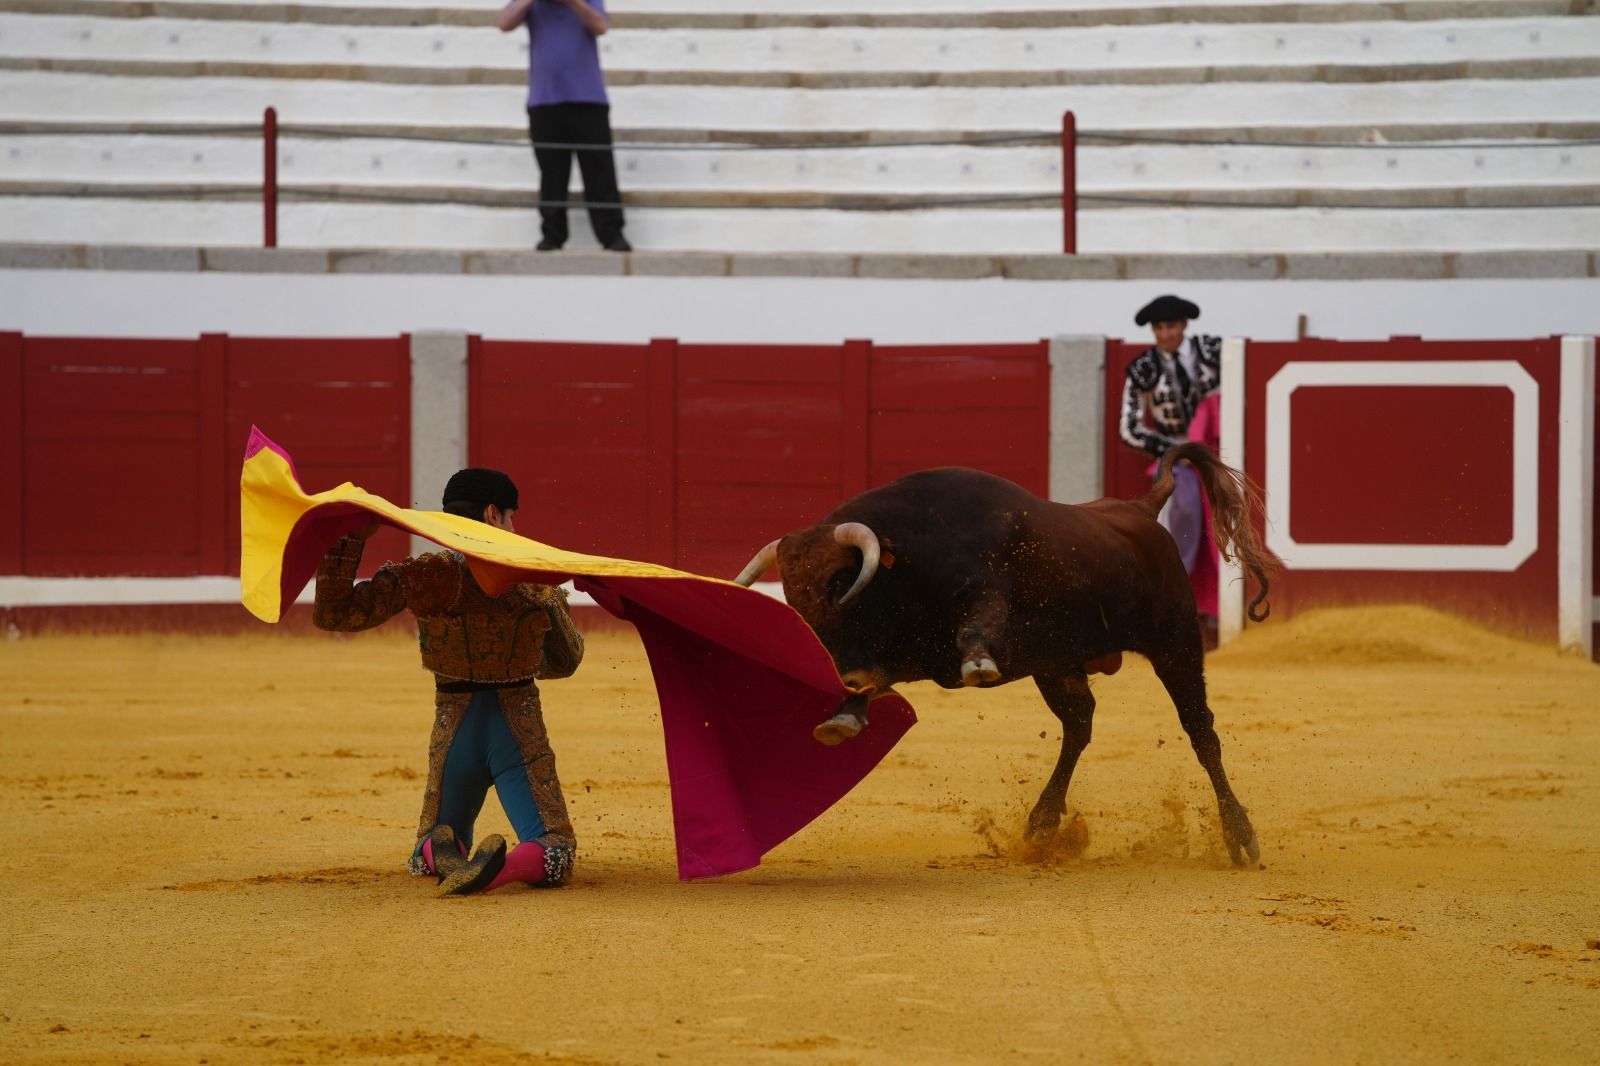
(1370, 462)
(1126, 467)
(696, 455)
(341, 407)
(121, 457)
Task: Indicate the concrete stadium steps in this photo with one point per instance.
(981, 231)
(1255, 172)
(742, 14)
(834, 57)
(47, 96)
(809, 70)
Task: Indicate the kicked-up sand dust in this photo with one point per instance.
(206, 838)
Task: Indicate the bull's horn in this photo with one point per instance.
(758, 566)
(856, 535)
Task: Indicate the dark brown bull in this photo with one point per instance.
(964, 578)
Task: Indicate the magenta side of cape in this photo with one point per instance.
(746, 772)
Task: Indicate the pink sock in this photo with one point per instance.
(524, 863)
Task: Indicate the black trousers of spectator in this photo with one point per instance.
(576, 124)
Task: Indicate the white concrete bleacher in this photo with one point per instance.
(1437, 126)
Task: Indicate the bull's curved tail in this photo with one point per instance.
(1235, 502)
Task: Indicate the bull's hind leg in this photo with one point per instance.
(1071, 701)
(1182, 673)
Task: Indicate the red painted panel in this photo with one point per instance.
(115, 422)
(955, 378)
(759, 433)
(12, 411)
(571, 424)
(981, 406)
(743, 434)
(88, 376)
(341, 407)
(211, 456)
(1450, 481)
(906, 441)
(1522, 601)
(855, 425)
(723, 526)
(766, 364)
(1126, 467)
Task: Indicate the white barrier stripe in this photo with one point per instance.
(1230, 576)
(1576, 601)
(1503, 558)
(159, 591)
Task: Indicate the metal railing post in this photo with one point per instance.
(1069, 183)
(269, 178)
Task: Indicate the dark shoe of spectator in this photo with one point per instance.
(548, 245)
(619, 243)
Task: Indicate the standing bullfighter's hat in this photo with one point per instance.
(1167, 309)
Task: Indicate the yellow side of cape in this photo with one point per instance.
(272, 505)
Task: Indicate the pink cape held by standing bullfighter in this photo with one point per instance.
(740, 677)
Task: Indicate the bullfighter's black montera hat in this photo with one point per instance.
(1167, 309)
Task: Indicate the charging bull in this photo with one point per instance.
(964, 578)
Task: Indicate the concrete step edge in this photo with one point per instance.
(1540, 69)
(1520, 263)
(1538, 196)
(1290, 13)
(1374, 135)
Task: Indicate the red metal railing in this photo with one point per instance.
(1069, 183)
(269, 178)
(1069, 180)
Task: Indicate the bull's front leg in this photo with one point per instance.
(1070, 701)
(979, 637)
(848, 721)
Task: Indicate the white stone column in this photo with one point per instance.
(1230, 575)
(438, 417)
(1575, 507)
(1077, 418)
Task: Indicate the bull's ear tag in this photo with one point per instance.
(886, 558)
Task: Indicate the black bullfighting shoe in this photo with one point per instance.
(447, 857)
(474, 874)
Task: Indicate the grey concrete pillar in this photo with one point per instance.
(438, 417)
(1575, 509)
(1077, 418)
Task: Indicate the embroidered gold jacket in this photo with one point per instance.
(465, 635)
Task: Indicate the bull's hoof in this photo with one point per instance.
(840, 728)
(1243, 847)
(981, 671)
(1042, 824)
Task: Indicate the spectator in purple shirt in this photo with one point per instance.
(567, 104)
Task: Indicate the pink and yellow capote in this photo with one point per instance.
(741, 679)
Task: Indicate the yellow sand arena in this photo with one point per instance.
(207, 835)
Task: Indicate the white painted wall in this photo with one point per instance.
(772, 310)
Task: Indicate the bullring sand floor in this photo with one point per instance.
(205, 838)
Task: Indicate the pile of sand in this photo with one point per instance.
(1399, 635)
